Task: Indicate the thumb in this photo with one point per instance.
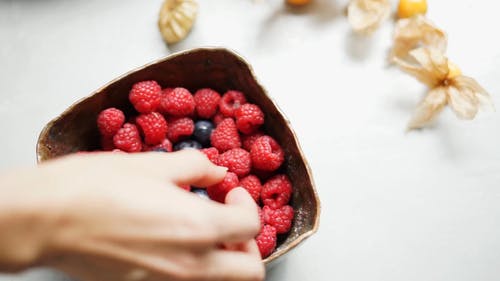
(240, 196)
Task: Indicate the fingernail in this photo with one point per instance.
(221, 169)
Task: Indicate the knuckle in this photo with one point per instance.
(204, 232)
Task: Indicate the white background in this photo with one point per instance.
(397, 206)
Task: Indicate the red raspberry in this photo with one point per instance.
(225, 136)
(145, 96)
(153, 126)
(252, 184)
(165, 144)
(107, 143)
(178, 102)
(218, 117)
(266, 154)
(212, 153)
(166, 91)
(236, 160)
(280, 218)
(186, 187)
(218, 192)
(248, 140)
(179, 128)
(276, 192)
(249, 117)
(110, 121)
(266, 240)
(128, 138)
(230, 101)
(207, 101)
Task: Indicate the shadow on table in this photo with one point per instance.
(277, 272)
(447, 138)
(319, 12)
(357, 46)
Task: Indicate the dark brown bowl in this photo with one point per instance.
(75, 129)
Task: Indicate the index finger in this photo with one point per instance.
(186, 167)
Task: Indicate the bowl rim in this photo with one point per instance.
(299, 239)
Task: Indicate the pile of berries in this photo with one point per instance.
(227, 129)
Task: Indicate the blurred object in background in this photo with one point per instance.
(176, 19)
(298, 2)
(365, 16)
(410, 8)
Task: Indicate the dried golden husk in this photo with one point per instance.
(415, 32)
(462, 93)
(176, 19)
(365, 16)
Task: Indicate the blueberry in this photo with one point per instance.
(202, 131)
(202, 192)
(187, 144)
(159, 149)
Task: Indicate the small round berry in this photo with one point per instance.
(230, 101)
(410, 8)
(248, 140)
(276, 192)
(236, 160)
(110, 121)
(202, 192)
(187, 144)
(178, 102)
(252, 184)
(225, 136)
(180, 128)
(145, 96)
(153, 126)
(218, 192)
(266, 240)
(249, 118)
(207, 102)
(202, 131)
(266, 154)
(280, 218)
(128, 138)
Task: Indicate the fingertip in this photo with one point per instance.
(193, 167)
(239, 196)
(220, 171)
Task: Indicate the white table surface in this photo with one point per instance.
(418, 206)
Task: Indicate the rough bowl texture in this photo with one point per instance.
(75, 129)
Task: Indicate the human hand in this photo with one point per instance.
(123, 217)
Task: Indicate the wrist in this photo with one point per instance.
(26, 221)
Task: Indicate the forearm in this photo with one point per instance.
(25, 223)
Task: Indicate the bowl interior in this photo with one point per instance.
(76, 130)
